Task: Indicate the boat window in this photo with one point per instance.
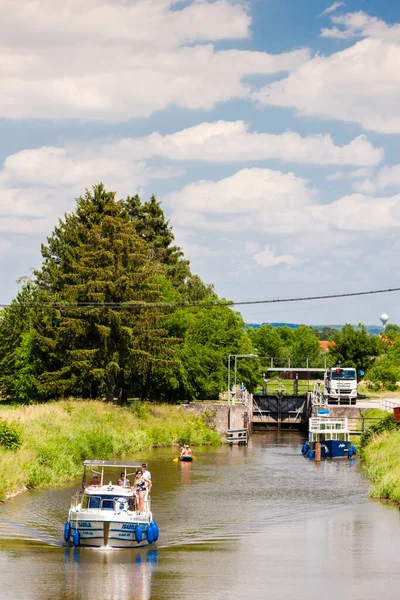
(94, 502)
(104, 501)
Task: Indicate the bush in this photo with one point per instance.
(10, 435)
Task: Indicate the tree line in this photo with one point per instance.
(65, 333)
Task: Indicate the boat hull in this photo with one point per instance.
(335, 448)
(186, 458)
(95, 533)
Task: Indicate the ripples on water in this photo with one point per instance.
(259, 521)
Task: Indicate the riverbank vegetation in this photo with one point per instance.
(45, 444)
(380, 453)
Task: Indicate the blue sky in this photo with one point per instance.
(269, 129)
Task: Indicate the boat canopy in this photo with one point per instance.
(111, 463)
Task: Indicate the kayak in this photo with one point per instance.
(186, 458)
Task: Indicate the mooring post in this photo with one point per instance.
(318, 451)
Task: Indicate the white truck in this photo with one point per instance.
(340, 385)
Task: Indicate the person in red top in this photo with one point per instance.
(188, 450)
(94, 480)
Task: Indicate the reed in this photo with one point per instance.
(57, 436)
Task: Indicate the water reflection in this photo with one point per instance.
(186, 471)
(118, 574)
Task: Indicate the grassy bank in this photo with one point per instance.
(380, 451)
(56, 437)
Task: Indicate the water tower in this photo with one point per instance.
(384, 318)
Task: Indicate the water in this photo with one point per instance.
(259, 522)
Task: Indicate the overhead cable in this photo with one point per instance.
(206, 304)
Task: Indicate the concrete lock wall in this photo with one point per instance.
(221, 416)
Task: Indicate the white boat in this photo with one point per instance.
(334, 437)
(106, 515)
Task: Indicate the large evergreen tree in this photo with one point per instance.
(154, 229)
(96, 256)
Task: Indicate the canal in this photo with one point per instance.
(258, 522)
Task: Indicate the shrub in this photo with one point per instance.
(10, 435)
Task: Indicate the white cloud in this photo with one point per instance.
(275, 219)
(115, 60)
(331, 8)
(268, 258)
(226, 141)
(37, 186)
(359, 84)
(248, 190)
(359, 24)
(358, 212)
(387, 177)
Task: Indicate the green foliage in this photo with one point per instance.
(384, 374)
(10, 435)
(20, 358)
(385, 371)
(326, 333)
(267, 341)
(200, 372)
(391, 331)
(96, 255)
(305, 345)
(354, 347)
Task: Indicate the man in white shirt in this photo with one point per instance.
(146, 474)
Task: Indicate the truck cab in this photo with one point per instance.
(340, 385)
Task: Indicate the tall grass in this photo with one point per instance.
(56, 438)
(381, 459)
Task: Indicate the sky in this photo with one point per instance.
(268, 129)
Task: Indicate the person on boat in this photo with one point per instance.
(124, 482)
(188, 450)
(183, 451)
(146, 474)
(140, 484)
(94, 480)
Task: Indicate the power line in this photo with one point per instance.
(166, 305)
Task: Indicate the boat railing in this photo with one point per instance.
(317, 425)
(76, 501)
(147, 503)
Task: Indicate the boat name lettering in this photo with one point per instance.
(341, 445)
(85, 524)
(128, 525)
